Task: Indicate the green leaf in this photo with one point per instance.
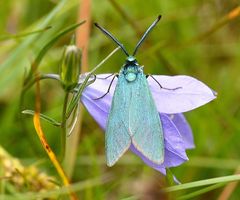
(44, 50)
(9, 37)
(16, 60)
(44, 117)
(202, 191)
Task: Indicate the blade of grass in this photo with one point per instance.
(202, 191)
(210, 181)
(14, 61)
(20, 50)
(20, 35)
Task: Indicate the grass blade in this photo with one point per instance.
(205, 182)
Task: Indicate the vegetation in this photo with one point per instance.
(195, 38)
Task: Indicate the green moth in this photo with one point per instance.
(133, 118)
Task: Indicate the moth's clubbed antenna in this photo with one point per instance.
(112, 37)
(145, 34)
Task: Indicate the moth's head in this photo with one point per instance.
(131, 60)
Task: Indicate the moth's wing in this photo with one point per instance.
(145, 123)
(117, 138)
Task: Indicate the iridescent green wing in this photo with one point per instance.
(117, 138)
(144, 122)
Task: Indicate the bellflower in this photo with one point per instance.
(170, 105)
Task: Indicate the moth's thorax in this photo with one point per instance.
(131, 69)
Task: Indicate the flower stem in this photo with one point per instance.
(63, 126)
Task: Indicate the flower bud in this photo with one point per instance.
(70, 67)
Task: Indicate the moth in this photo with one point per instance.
(133, 118)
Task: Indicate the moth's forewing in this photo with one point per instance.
(145, 123)
(117, 138)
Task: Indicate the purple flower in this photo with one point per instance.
(177, 132)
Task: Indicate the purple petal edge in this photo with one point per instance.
(191, 94)
(184, 129)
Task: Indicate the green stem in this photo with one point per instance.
(30, 83)
(63, 126)
(41, 77)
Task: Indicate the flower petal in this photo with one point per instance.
(174, 143)
(98, 89)
(98, 112)
(184, 129)
(192, 94)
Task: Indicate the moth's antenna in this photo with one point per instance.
(112, 37)
(146, 33)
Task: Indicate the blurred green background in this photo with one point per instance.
(194, 38)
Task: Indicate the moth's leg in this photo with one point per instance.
(106, 76)
(161, 85)
(115, 75)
